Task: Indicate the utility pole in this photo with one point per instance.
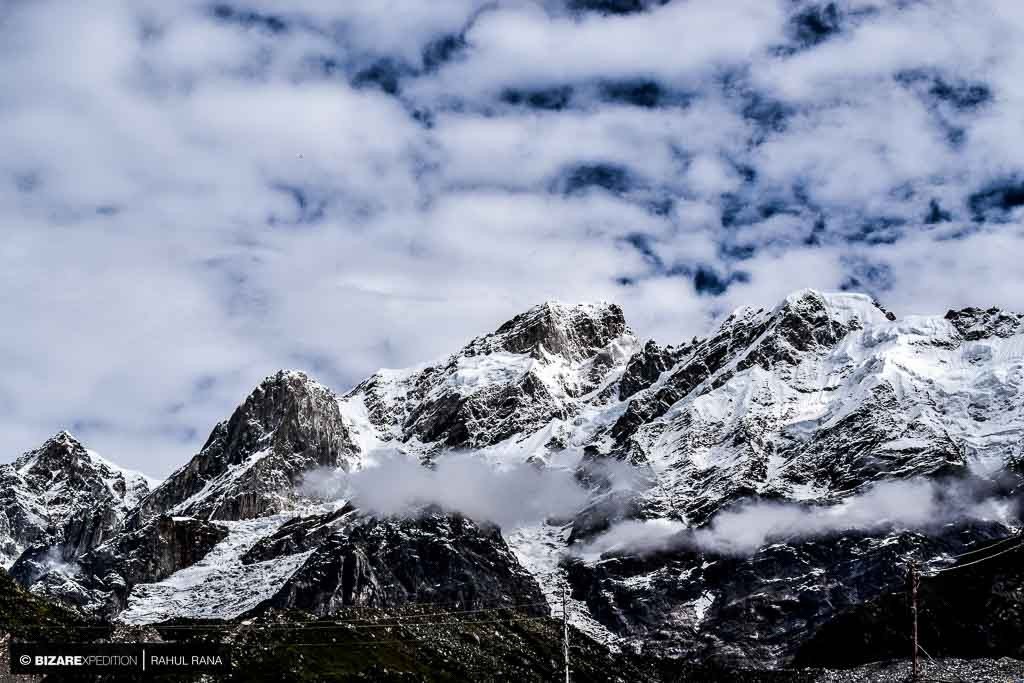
(913, 613)
(565, 634)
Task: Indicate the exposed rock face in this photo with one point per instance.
(758, 611)
(807, 404)
(970, 611)
(101, 579)
(369, 562)
(645, 367)
(65, 498)
(974, 324)
(538, 367)
(575, 333)
(251, 463)
(157, 550)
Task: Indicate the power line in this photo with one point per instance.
(319, 626)
(394, 616)
(936, 572)
(394, 621)
(987, 547)
(372, 642)
(914, 577)
(438, 614)
(407, 619)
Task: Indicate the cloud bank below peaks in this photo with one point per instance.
(897, 505)
(506, 495)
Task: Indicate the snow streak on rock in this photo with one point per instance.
(219, 586)
(806, 408)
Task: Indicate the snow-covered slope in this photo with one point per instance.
(808, 403)
(543, 366)
(219, 586)
(65, 497)
(830, 396)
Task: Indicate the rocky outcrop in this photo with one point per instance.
(64, 498)
(758, 611)
(252, 463)
(974, 323)
(372, 562)
(574, 333)
(803, 406)
(533, 369)
(645, 367)
(100, 581)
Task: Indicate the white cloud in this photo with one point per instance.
(897, 505)
(189, 201)
(522, 44)
(508, 496)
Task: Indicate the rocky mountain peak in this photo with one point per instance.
(283, 408)
(62, 450)
(532, 369)
(251, 463)
(848, 310)
(804, 320)
(64, 497)
(63, 469)
(574, 332)
(975, 323)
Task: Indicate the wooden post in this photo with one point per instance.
(913, 614)
(565, 634)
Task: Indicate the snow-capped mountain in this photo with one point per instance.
(65, 498)
(539, 369)
(809, 403)
(250, 463)
(822, 396)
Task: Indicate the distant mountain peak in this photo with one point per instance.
(252, 462)
(57, 451)
(65, 496)
(572, 331)
(976, 323)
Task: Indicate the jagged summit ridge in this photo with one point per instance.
(573, 332)
(774, 396)
(64, 497)
(774, 340)
(807, 402)
(252, 462)
(538, 366)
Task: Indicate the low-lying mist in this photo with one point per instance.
(524, 494)
(506, 495)
(912, 505)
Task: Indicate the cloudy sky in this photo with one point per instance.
(194, 194)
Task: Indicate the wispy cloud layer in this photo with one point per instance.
(193, 194)
(892, 505)
(396, 485)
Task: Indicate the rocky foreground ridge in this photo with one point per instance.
(804, 408)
